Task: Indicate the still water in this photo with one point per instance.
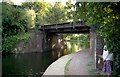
(35, 63)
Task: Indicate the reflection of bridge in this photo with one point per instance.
(67, 27)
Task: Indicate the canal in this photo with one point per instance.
(36, 63)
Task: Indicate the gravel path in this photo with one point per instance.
(57, 67)
(81, 64)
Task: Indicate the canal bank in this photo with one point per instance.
(81, 64)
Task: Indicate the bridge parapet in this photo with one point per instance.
(67, 27)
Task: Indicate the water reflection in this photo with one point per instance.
(64, 51)
(68, 44)
(26, 64)
(59, 54)
(35, 63)
(53, 53)
(75, 47)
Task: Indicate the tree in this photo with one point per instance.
(32, 15)
(15, 24)
(57, 14)
(40, 9)
(104, 17)
(14, 20)
(45, 13)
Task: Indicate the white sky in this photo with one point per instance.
(19, 2)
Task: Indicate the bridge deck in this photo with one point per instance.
(67, 27)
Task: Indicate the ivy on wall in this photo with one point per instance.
(10, 42)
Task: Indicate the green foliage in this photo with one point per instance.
(14, 20)
(46, 13)
(90, 63)
(32, 16)
(14, 24)
(52, 15)
(27, 5)
(104, 17)
(9, 42)
(67, 64)
(40, 8)
(92, 71)
(82, 39)
(57, 14)
(76, 37)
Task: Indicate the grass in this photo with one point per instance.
(67, 64)
(89, 63)
(66, 67)
(91, 71)
(115, 73)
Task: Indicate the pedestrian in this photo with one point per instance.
(108, 61)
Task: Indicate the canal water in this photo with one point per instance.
(36, 63)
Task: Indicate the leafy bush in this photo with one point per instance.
(9, 42)
(15, 23)
(14, 20)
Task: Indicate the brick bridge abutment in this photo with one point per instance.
(41, 41)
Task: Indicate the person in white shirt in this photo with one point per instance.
(108, 61)
(106, 54)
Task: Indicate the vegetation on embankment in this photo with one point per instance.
(10, 42)
(15, 27)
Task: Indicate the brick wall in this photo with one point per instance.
(34, 45)
(92, 42)
(39, 42)
(96, 48)
(99, 52)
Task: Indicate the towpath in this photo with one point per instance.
(81, 64)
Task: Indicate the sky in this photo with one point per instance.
(19, 2)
